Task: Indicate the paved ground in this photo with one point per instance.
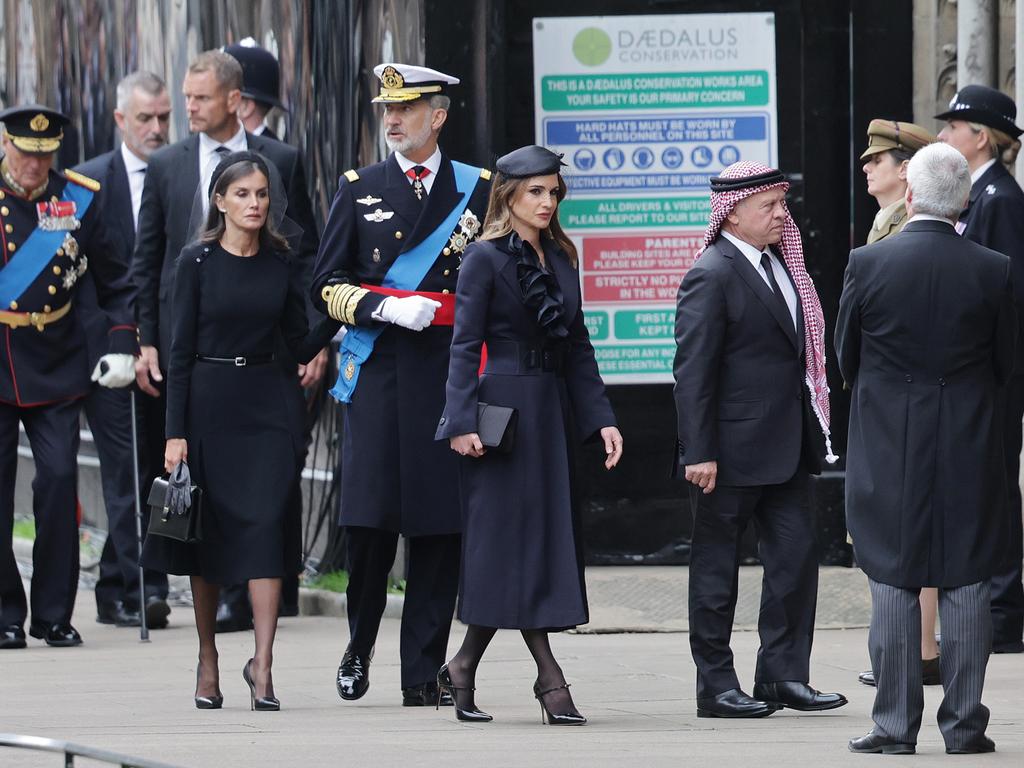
(637, 689)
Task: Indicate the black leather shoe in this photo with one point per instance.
(425, 695)
(734, 703)
(57, 635)
(875, 743)
(353, 676)
(233, 618)
(980, 744)
(117, 614)
(1007, 646)
(798, 696)
(157, 612)
(931, 673)
(470, 713)
(867, 678)
(11, 637)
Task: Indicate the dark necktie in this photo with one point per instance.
(221, 151)
(766, 265)
(418, 173)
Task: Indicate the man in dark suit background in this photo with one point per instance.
(143, 119)
(750, 378)
(926, 337)
(212, 88)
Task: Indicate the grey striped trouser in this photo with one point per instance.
(894, 642)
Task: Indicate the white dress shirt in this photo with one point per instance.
(208, 159)
(753, 255)
(980, 171)
(432, 163)
(136, 168)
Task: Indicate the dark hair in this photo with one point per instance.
(498, 221)
(232, 168)
(900, 155)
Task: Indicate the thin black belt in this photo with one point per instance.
(238, 362)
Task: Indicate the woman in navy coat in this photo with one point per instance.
(522, 566)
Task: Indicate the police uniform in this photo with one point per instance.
(887, 136)
(44, 366)
(994, 217)
(395, 478)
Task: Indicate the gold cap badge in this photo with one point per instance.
(39, 123)
(391, 78)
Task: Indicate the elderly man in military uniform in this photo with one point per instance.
(52, 243)
(387, 268)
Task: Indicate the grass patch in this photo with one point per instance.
(337, 581)
(25, 529)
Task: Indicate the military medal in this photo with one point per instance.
(469, 225)
(70, 247)
(350, 368)
(368, 200)
(378, 215)
(57, 215)
(375, 255)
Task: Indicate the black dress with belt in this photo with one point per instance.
(522, 564)
(241, 451)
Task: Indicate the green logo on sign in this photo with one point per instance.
(592, 46)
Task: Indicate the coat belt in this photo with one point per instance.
(38, 319)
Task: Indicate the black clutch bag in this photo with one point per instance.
(496, 426)
(181, 524)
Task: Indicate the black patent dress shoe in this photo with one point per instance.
(425, 695)
(979, 745)
(11, 637)
(867, 678)
(157, 612)
(56, 635)
(116, 613)
(233, 618)
(470, 713)
(353, 676)
(876, 743)
(930, 673)
(798, 696)
(734, 703)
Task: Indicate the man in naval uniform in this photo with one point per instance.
(53, 243)
(387, 268)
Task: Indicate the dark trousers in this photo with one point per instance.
(785, 530)
(109, 415)
(53, 435)
(432, 585)
(1007, 590)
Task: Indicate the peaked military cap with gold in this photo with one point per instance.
(406, 82)
(34, 128)
(884, 135)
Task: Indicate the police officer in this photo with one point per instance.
(261, 84)
(52, 243)
(422, 207)
(980, 124)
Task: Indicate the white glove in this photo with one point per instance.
(114, 371)
(412, 312)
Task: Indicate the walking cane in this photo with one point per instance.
(143, 629)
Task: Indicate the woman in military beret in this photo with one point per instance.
(522, 565)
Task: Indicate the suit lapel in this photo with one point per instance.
(568, 280)
(760, 288)
(442, 199)
(800, 329)
(399, 195)
(121, 197)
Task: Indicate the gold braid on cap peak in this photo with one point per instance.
(34, 144)
(342, 300)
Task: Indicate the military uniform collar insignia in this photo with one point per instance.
(20, 191)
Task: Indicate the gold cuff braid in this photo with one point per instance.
(342, 300)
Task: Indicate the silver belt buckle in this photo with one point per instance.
(240, 362)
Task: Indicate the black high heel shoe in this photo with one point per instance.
(207, 702)
(444, 682)
(261, 703)
(554, 718)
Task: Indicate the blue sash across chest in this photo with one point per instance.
(406, 274)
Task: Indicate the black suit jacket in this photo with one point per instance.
(740, 391)
(114, 206)
(925, 337)
(171, 182)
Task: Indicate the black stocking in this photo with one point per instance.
(462, 667)
(549, 674)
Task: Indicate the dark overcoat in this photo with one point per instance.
(522, 565)
(741, 394)
(394, 476)
(39, 367)
(925, 337)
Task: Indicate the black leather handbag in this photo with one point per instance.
(496, 426)
(179, 519)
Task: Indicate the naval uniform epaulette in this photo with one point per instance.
(83, 181)
(351, 175)
(485, 174)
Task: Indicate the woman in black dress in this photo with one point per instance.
(234, 290)
(522, 566)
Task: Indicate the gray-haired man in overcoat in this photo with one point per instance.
(925, 338)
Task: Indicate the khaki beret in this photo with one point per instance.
(884, 135)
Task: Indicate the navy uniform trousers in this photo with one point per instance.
(53, 436)
(109, 415)
(785, 528)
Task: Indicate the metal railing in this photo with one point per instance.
(71, 751)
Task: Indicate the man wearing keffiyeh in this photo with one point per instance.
(752, 403)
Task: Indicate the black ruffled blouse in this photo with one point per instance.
(541, 292)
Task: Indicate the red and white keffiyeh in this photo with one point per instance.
(792, 249)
